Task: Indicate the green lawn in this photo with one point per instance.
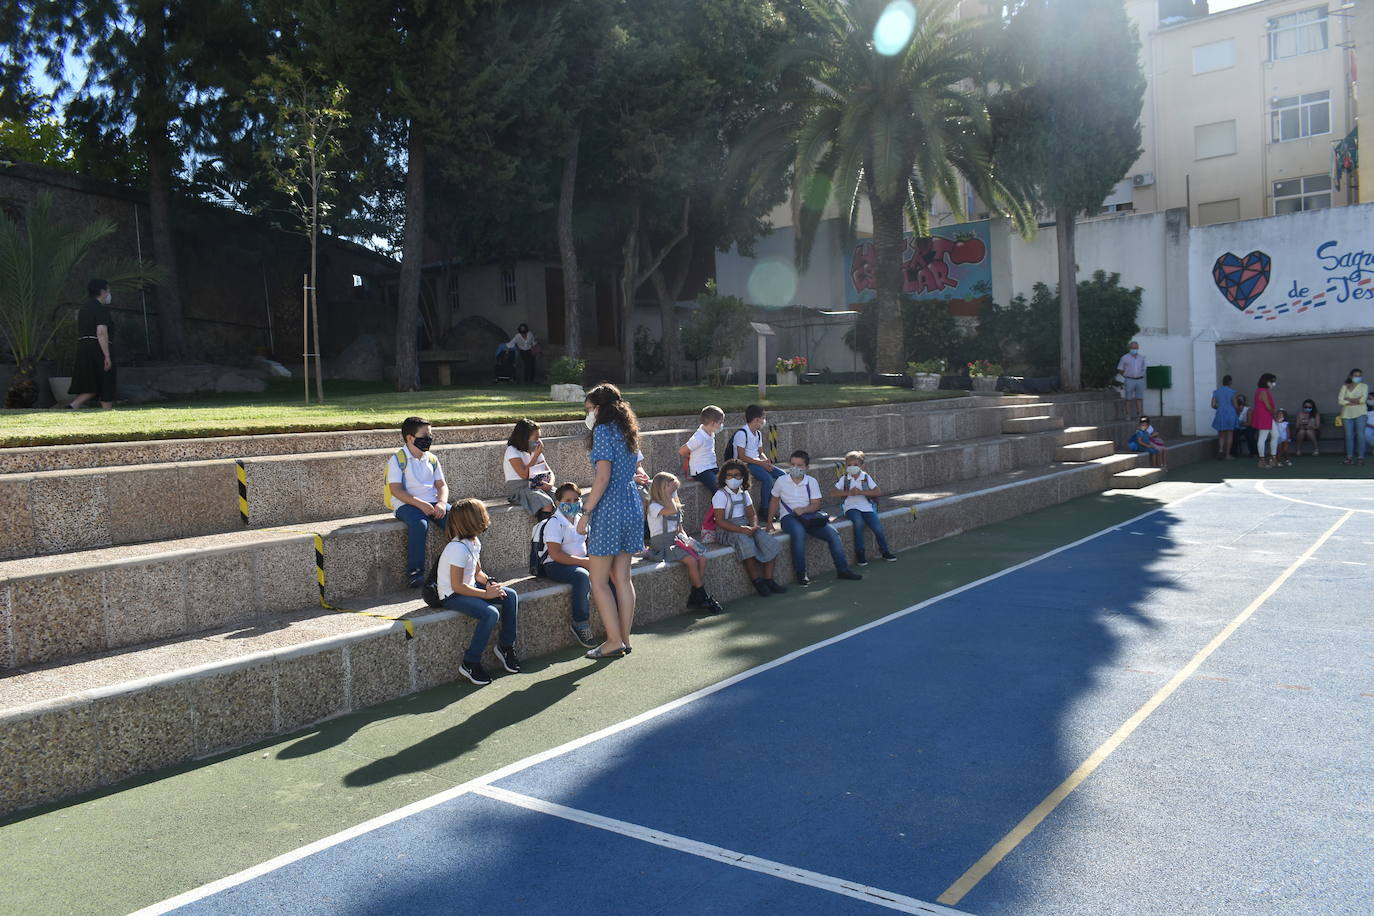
(353, 405)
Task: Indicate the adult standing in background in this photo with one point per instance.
(524, 344)
(1132, 370)
(1227, 413)
(1262, 419)
(94, 373)
(614, 513)
(1354, 416)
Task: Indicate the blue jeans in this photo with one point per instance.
(796, 531)
(487, 614)
(417, 529)
(862, 520)
(1354, 433)
(707, 479)
(581, 582)
(765, 487)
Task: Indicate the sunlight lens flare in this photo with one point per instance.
(773, 283)
(895, 27)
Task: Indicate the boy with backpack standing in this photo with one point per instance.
(416, 489)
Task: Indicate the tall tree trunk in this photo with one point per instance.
(1070, 359)
(629, 283)
(154, 112)
(669, 289)
(408, 292)
(887, 248)
(567, 250)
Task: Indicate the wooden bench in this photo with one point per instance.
(443, 361)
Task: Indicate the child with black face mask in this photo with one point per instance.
(416, 489)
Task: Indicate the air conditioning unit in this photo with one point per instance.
(1143, 180)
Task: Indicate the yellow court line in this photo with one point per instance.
(979, 870)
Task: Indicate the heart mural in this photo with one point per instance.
(1242, 280)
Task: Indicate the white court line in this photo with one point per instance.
(1263, 487)
(863, 892)
(382, 820)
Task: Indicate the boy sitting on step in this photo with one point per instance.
(417, 489)
(859, 490)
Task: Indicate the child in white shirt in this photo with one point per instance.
(668, 542)
(859, 490)
(465, 588)
(565, 558)
(529, 479)
(700, 450)
(1281, 431)
(418, 493)
(738, 524)
(796, 506)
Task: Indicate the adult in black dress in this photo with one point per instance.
(94, 374)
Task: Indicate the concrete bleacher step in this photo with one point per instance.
(68, 728)
(1086, 450)
(1136, 478)
(1034, 424)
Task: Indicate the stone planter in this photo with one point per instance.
(984, 382)
(787, 378)
(569, 393)
(60, 385)
(925, 381)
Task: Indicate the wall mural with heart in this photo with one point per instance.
(1340, 274)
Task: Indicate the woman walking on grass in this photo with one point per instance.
(614, 514)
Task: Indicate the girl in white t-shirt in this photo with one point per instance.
(465, 588)
(860, 489)
(737, 524)
(529, 479)
(668, 542)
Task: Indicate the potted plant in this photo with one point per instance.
(788, 368)
(984, 374)
(925, 375)
(565, 379)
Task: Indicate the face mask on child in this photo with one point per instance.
(571, 508)
(853, 470)
(424, 442)
(591, 418)
(1356, 379)
(734, 483)
(797, 473)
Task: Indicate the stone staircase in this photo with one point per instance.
(146, 621)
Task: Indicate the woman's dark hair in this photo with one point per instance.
(1349, 379)
(95, 287)
(1266, 380)
(566, 487)
(1226, 380)
(612, 408)
(1310, 403)
(1242, 398)
(733, 464)
(523, 328)
(520, 436)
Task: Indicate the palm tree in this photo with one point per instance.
(899, 124)
(40, 257)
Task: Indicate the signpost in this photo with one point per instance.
(763, 332)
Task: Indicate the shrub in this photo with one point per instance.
(715, 330)
(567, 371)
(926, 367)
(648, 353)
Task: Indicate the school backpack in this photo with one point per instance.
(539, 553)
(429, 591)
(728, 450)
(402, 456)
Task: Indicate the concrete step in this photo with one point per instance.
(77, 726)
(1085, 451)
(1074, 434)
(1135, 478)
(1034, 424)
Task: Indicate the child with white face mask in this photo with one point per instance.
(737, 524)
(859, 491)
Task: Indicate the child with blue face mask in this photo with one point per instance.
(565, 558)
(796, 506)
(738, 524)
(859, 490)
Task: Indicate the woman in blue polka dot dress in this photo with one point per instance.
(614, 513)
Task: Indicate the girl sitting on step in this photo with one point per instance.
(668, 542)
(529, 479)
(465, 588)
(737, 524)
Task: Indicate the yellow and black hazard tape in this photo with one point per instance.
(242, 473)
(319, 581)
(773, 444)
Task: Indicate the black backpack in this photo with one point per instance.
(430, 590)
(728, 451)
(538, 553)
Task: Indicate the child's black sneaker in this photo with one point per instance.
(762, 588)
(696, 598)
(583, 632)
(712, 606)
(774, 587)
(475, 673)
(890, 557)
(415, 579)
(861, 560)
(509, 660)
(804, 580)
(849, 574)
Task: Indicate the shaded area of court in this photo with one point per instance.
(898, 756)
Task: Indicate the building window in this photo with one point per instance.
(1218, 211)
(1294, 194)
(508, 285)
(1297, 33)
(357, 280)
(1299, 116)
(1211, 140)
(1219, 55)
